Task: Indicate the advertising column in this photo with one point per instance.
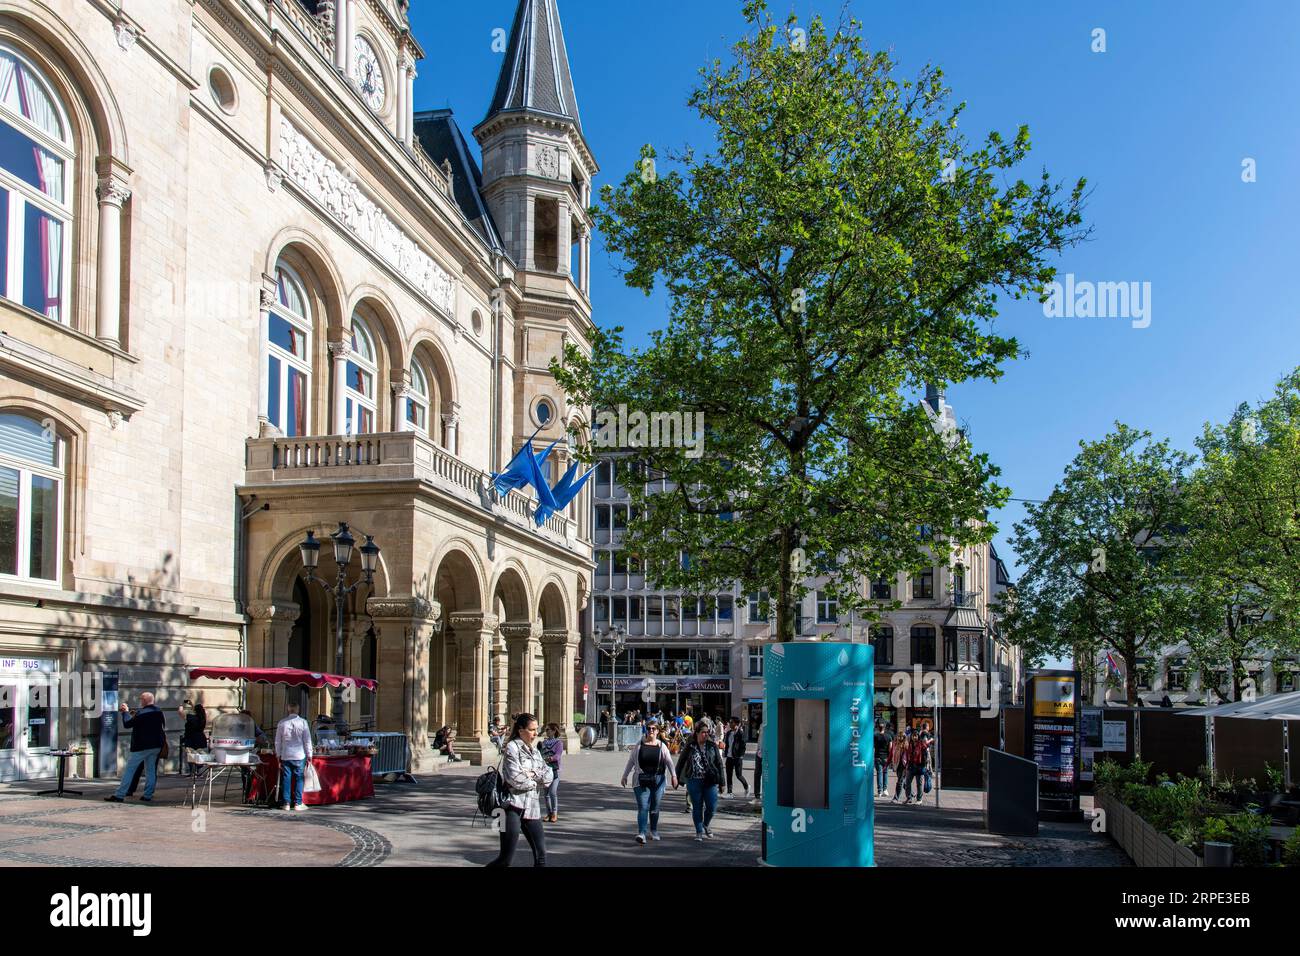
(1052, 709)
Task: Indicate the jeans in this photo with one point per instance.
(882, 777)
(291, 773)
(139, 772)
(758, 778)
(532, 829)
(553, 796)
(704, 800)
(149, 758)
(900, 776)
(647, 804)
(736, 764)
(914, 773)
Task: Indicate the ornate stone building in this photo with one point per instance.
(248, 291)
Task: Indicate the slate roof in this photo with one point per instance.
(535, 76)
(442, 139)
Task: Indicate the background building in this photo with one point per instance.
(249, 292)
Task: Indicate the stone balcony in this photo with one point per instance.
(395, 457)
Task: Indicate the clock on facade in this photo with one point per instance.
(368, 75)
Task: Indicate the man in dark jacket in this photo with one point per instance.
(735, 750)
(880, 748)
(148, 737)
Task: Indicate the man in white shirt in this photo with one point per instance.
(293, 750)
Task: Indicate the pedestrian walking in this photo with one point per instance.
(734, 747)
(700, 765)
(653, 765)
(148, 727)
(880, 750)
(918, 759)
(898, 754)
(195, 735)
(527, 777)
(552, 751)
(758, 761)
(293, 750)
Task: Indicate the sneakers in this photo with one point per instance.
(708, 832)
(655, 837)
(640, 839)
(285, 806)
(146, 799)
(894, 798)
(699, 838)
(301, 806)
(113, 798)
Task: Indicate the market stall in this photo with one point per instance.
(342, 762)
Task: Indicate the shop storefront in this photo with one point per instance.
(28, 723)
(703, 695)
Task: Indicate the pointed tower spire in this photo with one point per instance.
(535, 76)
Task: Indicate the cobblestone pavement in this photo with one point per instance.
(432, 822)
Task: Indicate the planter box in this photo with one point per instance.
(1144, 844)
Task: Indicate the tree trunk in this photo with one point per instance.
(784, 620)
(1130, 672)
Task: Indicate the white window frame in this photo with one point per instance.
(26, 469)
(828, 609)
(418, 399)
(355, 400)
(286, 358)
(23, 194)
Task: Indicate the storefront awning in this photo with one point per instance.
(964, 619)
(283, 675)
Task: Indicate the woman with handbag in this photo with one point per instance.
(700, 765)
(526, 776)
(552, 750)
(654, 768)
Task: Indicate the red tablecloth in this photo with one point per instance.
(341, 779)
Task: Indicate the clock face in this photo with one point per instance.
(368, 75)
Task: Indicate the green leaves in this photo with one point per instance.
(818, 266)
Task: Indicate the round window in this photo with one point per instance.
(544, 412)
(223, 90)
(476, 320)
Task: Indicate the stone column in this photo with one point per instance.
(267, 299)
(564, 237)
(112, 193)
(342, 36)
(339, 352)
(404, 626)
(473, 632)
(560, 651)
(522, 638)
(402, 120)
(451, 418)
(500, 678)
(407, 79)
(270, 625)
(401, 392)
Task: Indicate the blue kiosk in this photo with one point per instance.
(818, 791)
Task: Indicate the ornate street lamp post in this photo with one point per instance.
(340, 589)
(612, 644)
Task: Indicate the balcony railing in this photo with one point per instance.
(391, 456)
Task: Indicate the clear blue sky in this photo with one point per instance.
(1159, 124)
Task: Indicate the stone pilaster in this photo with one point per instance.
(522, 639)
(404, 626)
(270, 625)
(473, 632)
(560, 652)
(112, 193)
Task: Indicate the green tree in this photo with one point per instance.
(1241, 552)
(840, 244)
(1098, 573)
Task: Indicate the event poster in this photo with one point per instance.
(1053, 739)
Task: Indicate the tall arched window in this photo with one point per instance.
(31, 498)
(417, 402)
(288, 355)
(35, 195)
(362, 371)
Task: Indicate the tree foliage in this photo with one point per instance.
(840, 244)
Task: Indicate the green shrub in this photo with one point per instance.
(1216, 830)
(1111, 777)
(1291, 849)
(1249, 839)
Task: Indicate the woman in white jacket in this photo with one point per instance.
(527, 776)
(653, 764)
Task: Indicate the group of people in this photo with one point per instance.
(910, 754)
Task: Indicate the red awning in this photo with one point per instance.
(282, 675)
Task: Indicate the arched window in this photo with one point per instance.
(31, 498)
(35, 195)
(288, 355)
(362, 371)
(417, 402)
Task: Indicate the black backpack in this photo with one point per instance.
(490, 792)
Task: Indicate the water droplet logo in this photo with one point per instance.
(844, 658)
